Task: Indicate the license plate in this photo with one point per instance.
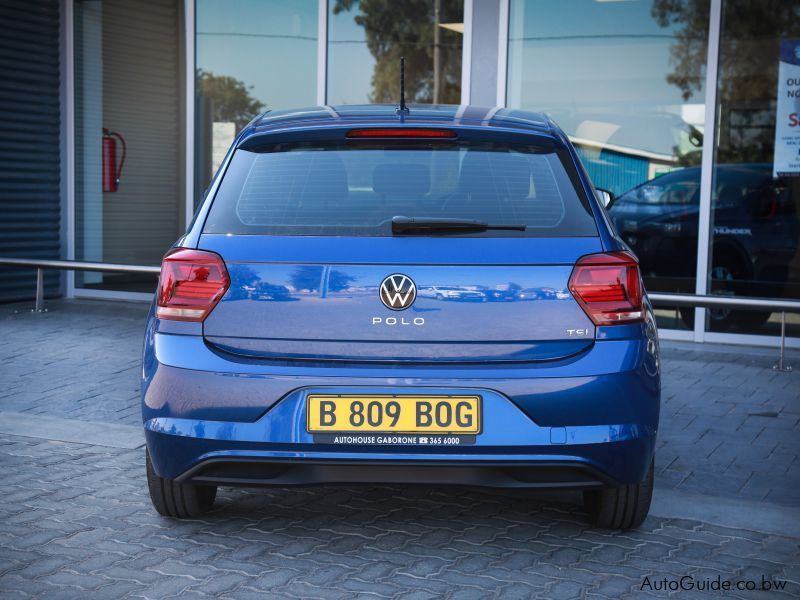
(394, 414)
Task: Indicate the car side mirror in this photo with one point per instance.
(605, 197)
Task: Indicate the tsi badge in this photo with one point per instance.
(580, 332)
(397, 292)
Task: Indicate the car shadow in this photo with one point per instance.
(382, 507)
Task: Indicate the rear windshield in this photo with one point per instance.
(356, 190)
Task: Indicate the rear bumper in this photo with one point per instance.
(252, 466)
(261, 471)
(583, 422)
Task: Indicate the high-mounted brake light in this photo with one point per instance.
(191, 284)
(400, 133)
(609, 288)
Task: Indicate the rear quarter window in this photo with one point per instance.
(352, 190)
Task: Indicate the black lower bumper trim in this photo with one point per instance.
(255, 472)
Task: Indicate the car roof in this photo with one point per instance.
(442, 115)
(729, 169)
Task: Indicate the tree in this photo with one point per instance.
(409, 28)
(231, 98)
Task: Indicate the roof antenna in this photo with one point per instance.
(402, 110)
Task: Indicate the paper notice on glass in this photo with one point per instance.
(223, 135)
(787, 121)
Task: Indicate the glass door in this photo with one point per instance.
(611, 74)
(129, 132)
(755, 198)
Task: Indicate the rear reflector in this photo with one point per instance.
(608, 287)
(401, 132)
(191, 284)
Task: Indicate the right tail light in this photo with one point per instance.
(609, 288)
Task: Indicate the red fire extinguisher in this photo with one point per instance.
(112, 171)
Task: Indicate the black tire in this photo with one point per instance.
(753, 319)
(179, 500)
(729, 276)
(623, 507)
(746, 319)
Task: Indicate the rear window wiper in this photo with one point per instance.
(401, 225)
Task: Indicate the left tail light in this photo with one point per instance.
(191, 284)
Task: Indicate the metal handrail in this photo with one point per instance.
(77, 265)
(724, 302)
(660, 299)
(782, 306)
(70, 265)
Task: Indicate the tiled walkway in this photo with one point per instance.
(75, 519)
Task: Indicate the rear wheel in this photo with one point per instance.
(622, 507)
(727, 275)
(181, 500)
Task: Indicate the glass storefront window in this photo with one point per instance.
(366, 40)
(251, 55)
(614, 76)
(755, 236)
(128, 106)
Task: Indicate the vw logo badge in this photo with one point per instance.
(398, 292)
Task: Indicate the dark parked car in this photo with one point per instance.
(755, 235)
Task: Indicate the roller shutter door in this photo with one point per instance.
(29, 142)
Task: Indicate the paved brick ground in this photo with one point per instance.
(80, 360)
(75, 519)
(729, 424)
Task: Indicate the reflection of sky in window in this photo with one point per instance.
(270, 45)
(350, 63)
(599, 68)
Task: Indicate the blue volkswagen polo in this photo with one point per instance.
(370, 295)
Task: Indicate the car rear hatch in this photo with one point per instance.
(478, 300)
(310, 231)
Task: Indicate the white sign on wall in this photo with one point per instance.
(787, 123)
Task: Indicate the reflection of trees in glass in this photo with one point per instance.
(312, 278)
(410, 28)
(307, 277)
(748, 66)
(245, 280)
(339, 281)
(690, 17)
(231, 97)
